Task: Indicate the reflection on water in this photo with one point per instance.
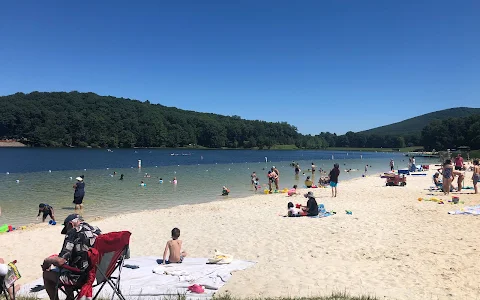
(107, 195)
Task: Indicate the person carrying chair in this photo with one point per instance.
(79, 238)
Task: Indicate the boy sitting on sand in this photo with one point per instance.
(174, 247)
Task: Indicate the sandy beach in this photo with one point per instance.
(392, 246)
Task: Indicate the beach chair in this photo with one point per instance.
(106, 257)
(9, 280)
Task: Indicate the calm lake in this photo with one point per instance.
(29, 176)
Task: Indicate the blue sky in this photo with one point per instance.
(319, 65)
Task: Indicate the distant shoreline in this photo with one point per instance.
(8, 143)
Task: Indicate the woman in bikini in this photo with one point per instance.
(447, 172)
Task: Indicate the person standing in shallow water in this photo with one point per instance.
(79, 193)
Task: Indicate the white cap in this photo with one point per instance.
(79, 178)
(3, 270)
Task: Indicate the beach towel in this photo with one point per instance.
(467, 210)
(143, 282)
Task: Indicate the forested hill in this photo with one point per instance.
(414, 126)
(85, 119)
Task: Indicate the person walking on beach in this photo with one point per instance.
(79, 238)
(79, 193)
(459, 162)
(334, 174)
(392, 165)
(476, 175)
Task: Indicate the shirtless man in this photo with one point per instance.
(476, 175)
(174, 248)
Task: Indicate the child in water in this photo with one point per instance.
(47, 210)
(225, 191)
(174, 248)
(174, 181)
(142, 183)
(160, 180)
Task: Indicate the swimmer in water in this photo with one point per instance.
(225, 191)
(174, 181)
(121, 177)
(147, 175)
(114, 173)
(142, 183)
(160, 180)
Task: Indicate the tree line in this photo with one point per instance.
(452, 133)
(74, 119)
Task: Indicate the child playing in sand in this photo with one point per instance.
(293, 211)
(174, 248)
(47, 210)
(292, 191)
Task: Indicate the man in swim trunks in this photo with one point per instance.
(47, 210)
(334, 173)
(459, 162)
(79, 237)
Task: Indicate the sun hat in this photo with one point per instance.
(309, 194)
(79, 178)
(69, 219)
(3, 270)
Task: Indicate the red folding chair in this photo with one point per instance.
(107, 256)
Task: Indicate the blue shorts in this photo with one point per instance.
(333, 184)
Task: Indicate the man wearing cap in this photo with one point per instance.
(79, 193)
(312, 207)
(79, 237)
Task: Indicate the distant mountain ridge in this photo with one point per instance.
(416, 124)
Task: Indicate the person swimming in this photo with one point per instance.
(225, 191)
(142, 183)
(160, 180)
(174, 181)
(121, 177)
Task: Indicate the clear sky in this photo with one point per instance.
(320, 65)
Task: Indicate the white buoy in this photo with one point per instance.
(139, 163)
(71, 177)
(17, 181)
(108, 168)
(156, 166)
(84, 169)
(8, 173)
(111, 175)
(49, 171)
(175, 172)
(178, 165)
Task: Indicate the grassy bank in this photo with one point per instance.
(475, 154)
(406, 149)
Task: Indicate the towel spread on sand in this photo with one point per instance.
(153, 280)
(467, 210)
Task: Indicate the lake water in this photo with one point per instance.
(45, 175)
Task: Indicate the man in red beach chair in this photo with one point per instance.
(78, 261)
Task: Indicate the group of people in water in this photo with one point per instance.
(273, 177)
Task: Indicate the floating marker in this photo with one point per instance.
(156, 166)
(108, 168)
(8, 173)
(49, 171)
(84, 169)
